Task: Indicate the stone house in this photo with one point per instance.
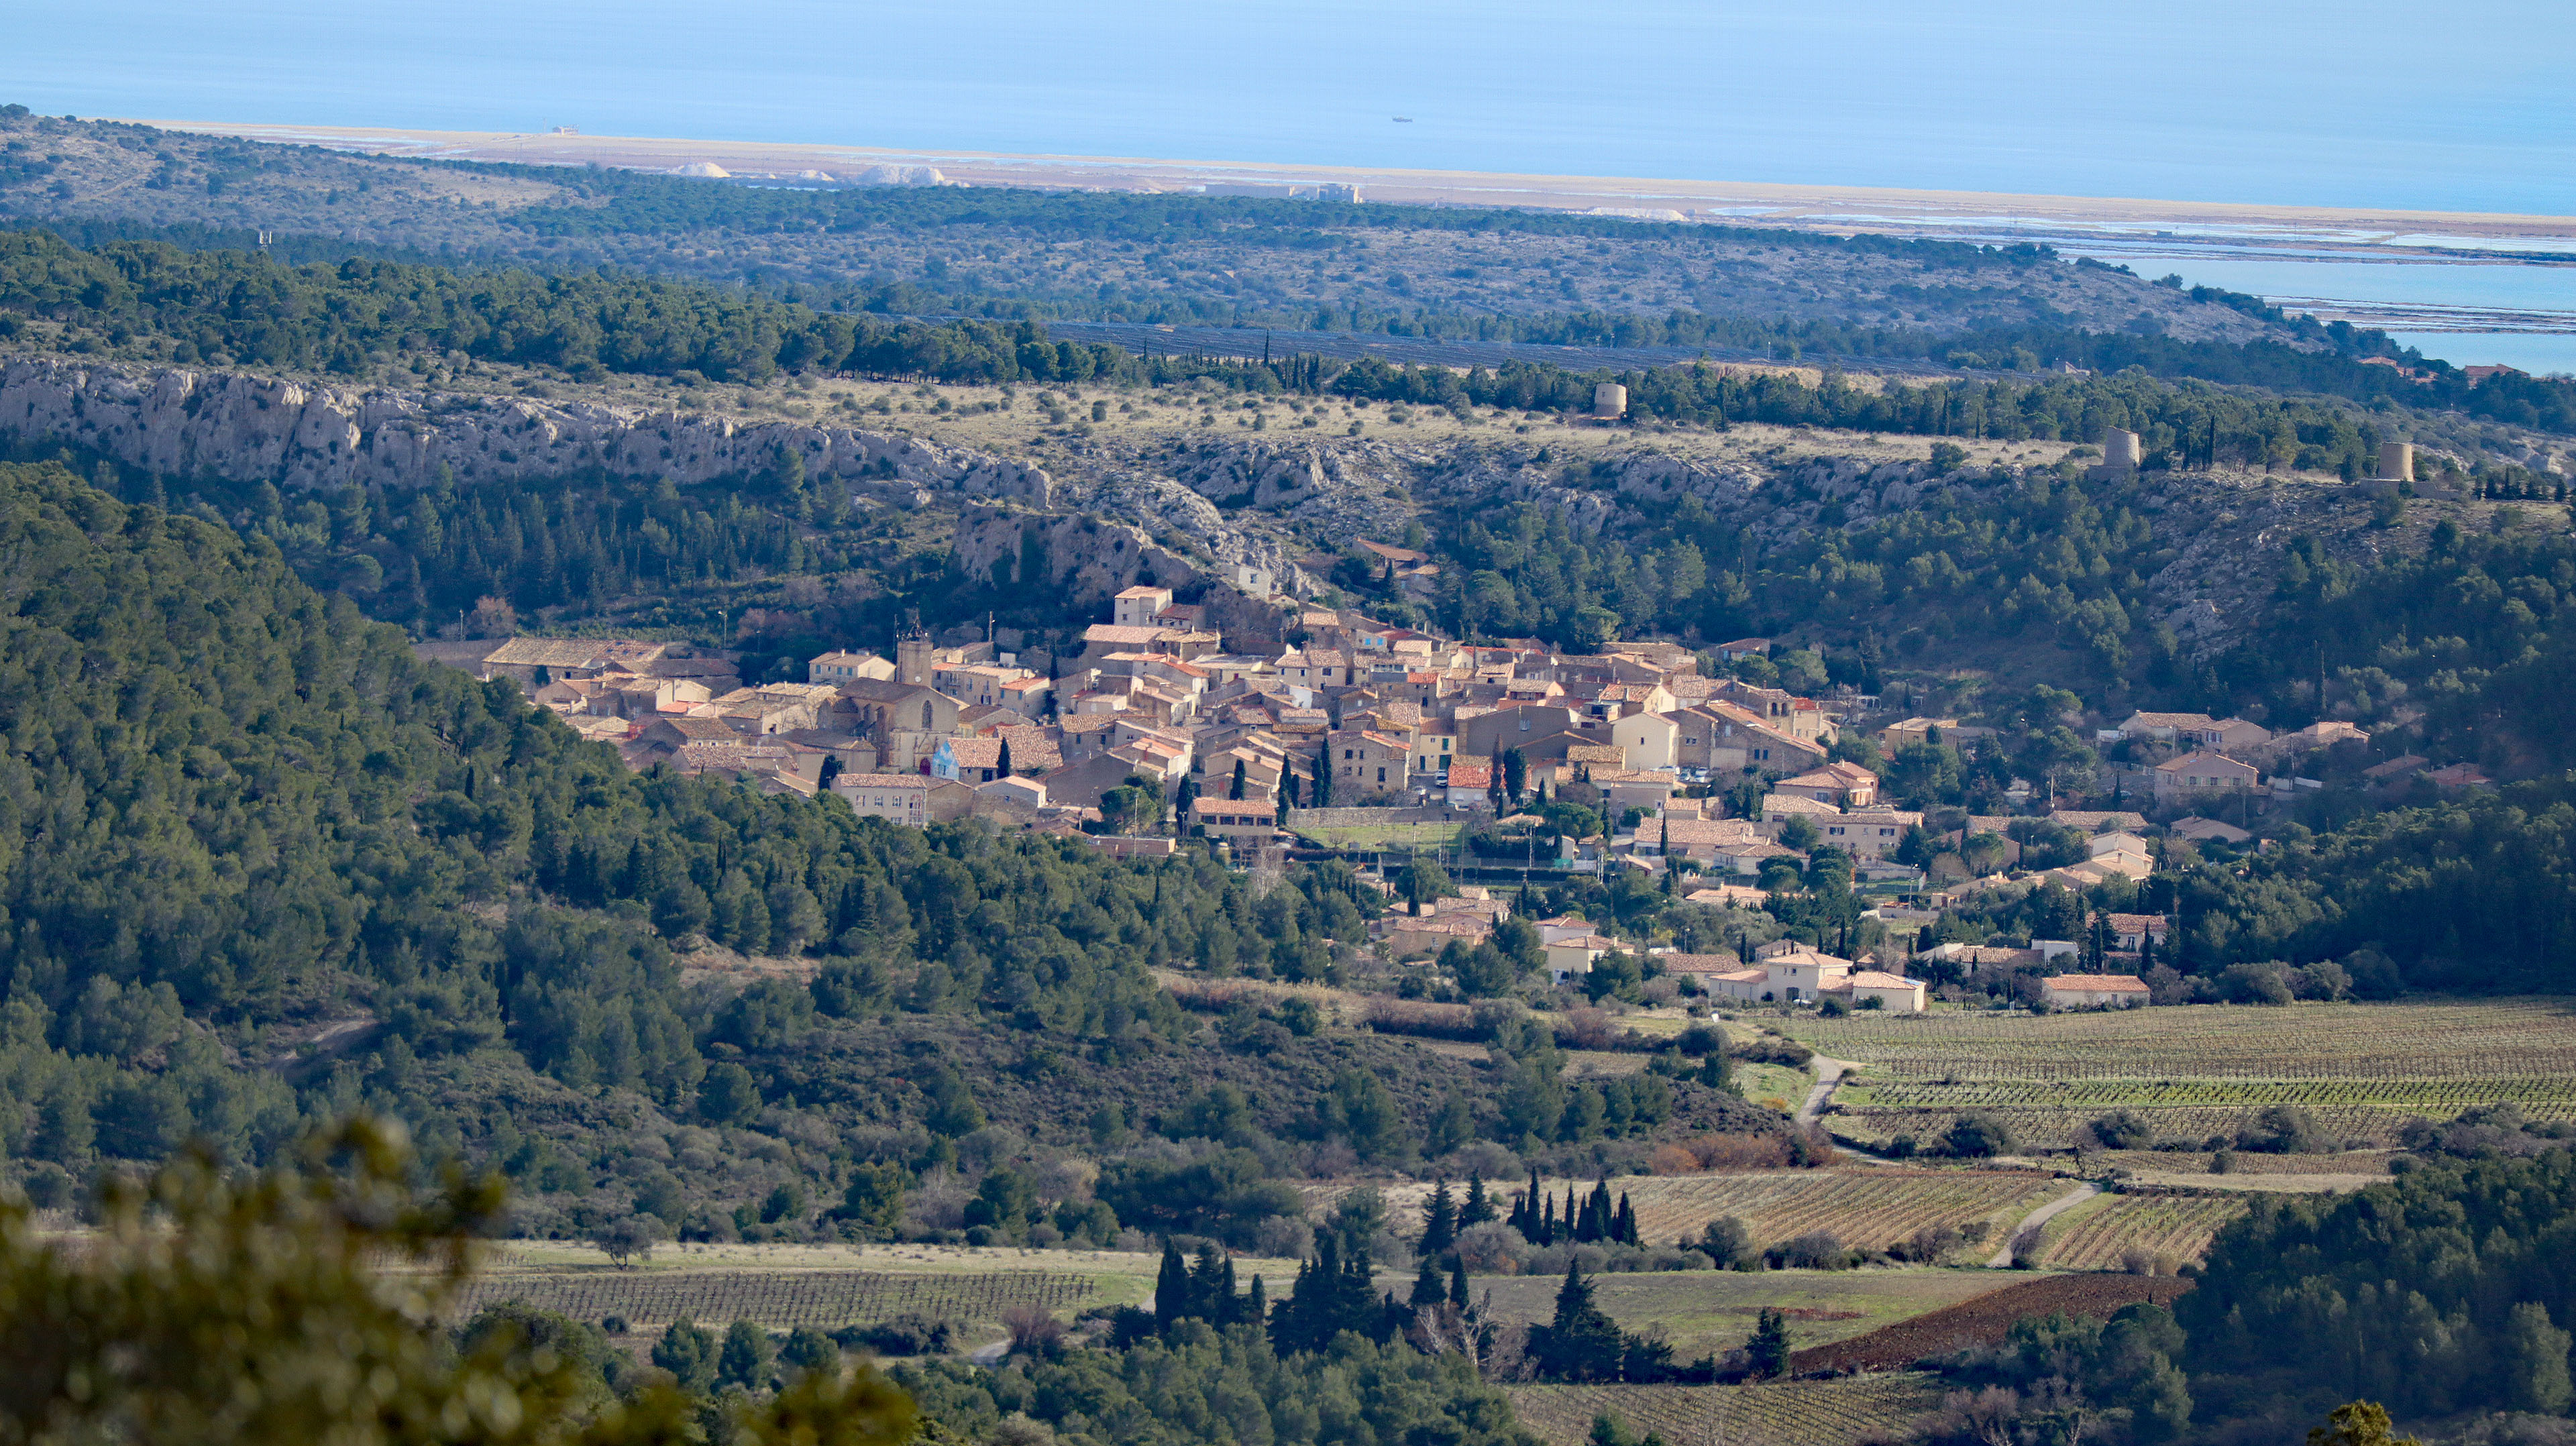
(902, 798)
(2095, 991)
(1239, 820)
(1365, 762)
(2197, 775)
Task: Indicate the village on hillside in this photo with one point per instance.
(1647, 757)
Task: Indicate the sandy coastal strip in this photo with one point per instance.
(1837, 208)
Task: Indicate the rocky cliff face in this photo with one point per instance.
(1090, 559)
(241, 428)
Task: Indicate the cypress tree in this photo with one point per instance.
(1211, 1285)
(1171, 1287)
(1627, 1221)
(1458, 1284)
(1716, 1073)
(1358, 1307)
(1767, 1350)
(1581, 1343)
(1427, 1289)
(1479, 1207)
(1547, 1224)
(1439, 1222)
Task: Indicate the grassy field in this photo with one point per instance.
(1776, 1413)
(1774, 1086)
(2201, 1070)
(1706, 1312)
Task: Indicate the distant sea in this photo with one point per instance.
(2362, 103)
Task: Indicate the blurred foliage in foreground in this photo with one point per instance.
(304, 1305)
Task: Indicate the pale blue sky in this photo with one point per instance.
(2362, 103)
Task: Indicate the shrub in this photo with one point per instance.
(2265, 983)
(1815, 1250)
(2124, 1130)
(1927, 1245)
(1034, 1331)
(2028, 1244)
(1492, 1248)
(1729, 1152)
(908, 1334)
(1978, 1135)
(2285, 1130)
(1728, 1244)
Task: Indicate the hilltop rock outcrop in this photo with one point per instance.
(185, 423)
(1089, 559)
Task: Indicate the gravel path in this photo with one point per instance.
(1829, 1073)
(2003, 1258)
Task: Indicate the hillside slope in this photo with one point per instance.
(1138, 258)
(262, 865)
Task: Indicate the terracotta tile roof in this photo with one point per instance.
(881, 780)
(2114, 983)
(977, 752)
(1031, 748)
(2094, 821)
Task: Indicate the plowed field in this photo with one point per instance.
(1986, 1319)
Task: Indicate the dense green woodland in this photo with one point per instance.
(1205, 1385)
(234, 812)
(231, 805)
(2474, 630)
(351, 317)
(2449, 1290)
(624, 202)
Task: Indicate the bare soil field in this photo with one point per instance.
(1985, 1320)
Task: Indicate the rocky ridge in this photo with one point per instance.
(239, 427)
(1229, 517)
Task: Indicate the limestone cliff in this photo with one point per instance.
(1089, 559)
(244, 428)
